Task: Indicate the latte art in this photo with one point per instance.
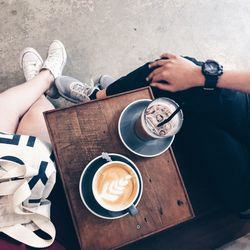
(113, 190)
(115, 186)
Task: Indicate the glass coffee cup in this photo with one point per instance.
(148, 126)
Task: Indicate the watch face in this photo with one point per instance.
(211, 68)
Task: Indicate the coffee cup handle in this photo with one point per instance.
(106, 157)
(132, 210)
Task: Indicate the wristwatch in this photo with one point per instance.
(211, 71)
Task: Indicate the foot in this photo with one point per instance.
(55, 63)
(104, 81)
(56, 59)
(73, 90)
(31, 63)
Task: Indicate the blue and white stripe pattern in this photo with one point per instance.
(30, 151)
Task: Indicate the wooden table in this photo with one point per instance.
(82, 132)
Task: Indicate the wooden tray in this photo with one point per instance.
(82, 132)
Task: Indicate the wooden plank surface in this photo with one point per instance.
(82, 132)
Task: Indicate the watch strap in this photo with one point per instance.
(210, 82)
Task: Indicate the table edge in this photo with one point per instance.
(97, 100)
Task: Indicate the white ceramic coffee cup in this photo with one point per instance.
(130, 206)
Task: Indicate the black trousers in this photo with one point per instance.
(215, 136)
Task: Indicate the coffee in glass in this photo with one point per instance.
(158, 111)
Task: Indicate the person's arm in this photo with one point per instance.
(180, 74)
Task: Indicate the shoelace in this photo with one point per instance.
(53, 56)
(80, 90)
(31, 69)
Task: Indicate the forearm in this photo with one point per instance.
(231, 79)
(181, 73)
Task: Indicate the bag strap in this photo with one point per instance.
(20, 191)
(41, 219)
(25, 235)
(10, 169)
(9, 187)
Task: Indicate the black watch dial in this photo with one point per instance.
(212, 68)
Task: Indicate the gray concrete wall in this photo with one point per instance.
(115, 36)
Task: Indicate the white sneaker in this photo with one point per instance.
(55, 63)
(31, 63)
(104, 81)
(56, 59)
(73, 90)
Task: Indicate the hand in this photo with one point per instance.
(178, 73)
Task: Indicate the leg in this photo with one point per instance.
(216, 158)
(195, 99)
(235, 115)
(227, 165)
(136, 79)
(22, 97)
(15, 101)
(33, 123)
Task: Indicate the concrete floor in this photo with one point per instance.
(115, 36)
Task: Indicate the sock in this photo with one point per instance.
(93, 94)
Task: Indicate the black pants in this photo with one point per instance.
(215, 134)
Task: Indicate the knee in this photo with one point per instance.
(38, 108)
(35, 112)
(8, 109)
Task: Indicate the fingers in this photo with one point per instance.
(154, 73)
(159, 74)
(168, 56)
(160, 77)
(157, 63)
(161, 86)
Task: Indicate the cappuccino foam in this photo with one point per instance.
(115, 186)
